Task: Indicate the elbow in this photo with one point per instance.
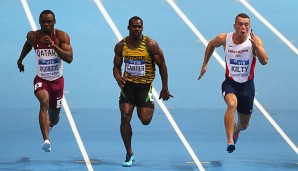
(264, 62)
(69, 60)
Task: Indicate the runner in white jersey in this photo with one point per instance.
(241, 51)
(240, 61)
(52, 47)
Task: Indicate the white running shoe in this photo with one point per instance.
(129, 161)
(46, 146)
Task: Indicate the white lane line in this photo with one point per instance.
(29, 15)
(220, 60)
(276, 126)
(76, 134)
(270, 26)
(64, 103)
(155, 94)
(194, 30)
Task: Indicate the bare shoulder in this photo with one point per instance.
(152, 46)
(219, 40)
(150, 42)
(62, 35)
(60, 32)
(31, 37)
(221, 37)
(119, 46)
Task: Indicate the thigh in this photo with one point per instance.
(56, 93)
(227, 88)
(144, 97)
(145, 113)
(41, 90)
(246, 98)
(127, 94)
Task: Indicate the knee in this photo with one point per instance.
(146, 121)
(232, 106)
(125, 117)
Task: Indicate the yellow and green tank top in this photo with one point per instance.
(139, 65)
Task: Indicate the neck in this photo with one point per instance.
(238, 38)
(49, 33)
(134, 42)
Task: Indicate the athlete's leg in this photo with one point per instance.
(43, 98)
(229, 119)
(54, 116)
(243, 122)
(126, 110)
(145, 114)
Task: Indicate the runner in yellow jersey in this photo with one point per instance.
(139, 53)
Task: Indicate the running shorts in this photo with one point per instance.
(54, 89)
(137, 94)
(245, 93)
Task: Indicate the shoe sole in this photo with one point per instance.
(46, 147)
(231, 148)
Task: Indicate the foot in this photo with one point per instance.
(231, 148)
(129, 160)
(46, 146)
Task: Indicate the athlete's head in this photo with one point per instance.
(242, 15)
(242, 25)
(135, 27)
(47, 21)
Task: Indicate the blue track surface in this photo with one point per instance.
(197, 107)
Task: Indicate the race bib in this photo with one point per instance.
(135, 67)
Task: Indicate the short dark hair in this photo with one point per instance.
(242, 15)
(134, 18)
(47, 12)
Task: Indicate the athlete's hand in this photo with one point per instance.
(252, 38)
(48, 40)
(121, 81)
(21, 66)
(165, 94)
(203, 70)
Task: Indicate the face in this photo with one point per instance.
(47, 23)
(135, 28)
(242, 26)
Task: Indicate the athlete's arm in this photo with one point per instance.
(64, 50)
(158, 57)
(26, 49)
(214, 43)
(258, 48)
(118, 60)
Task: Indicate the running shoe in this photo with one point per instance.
(46, 146)
(235, 137)
(129, 160)
(231, 148)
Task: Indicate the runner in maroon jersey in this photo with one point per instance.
(52, 47)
